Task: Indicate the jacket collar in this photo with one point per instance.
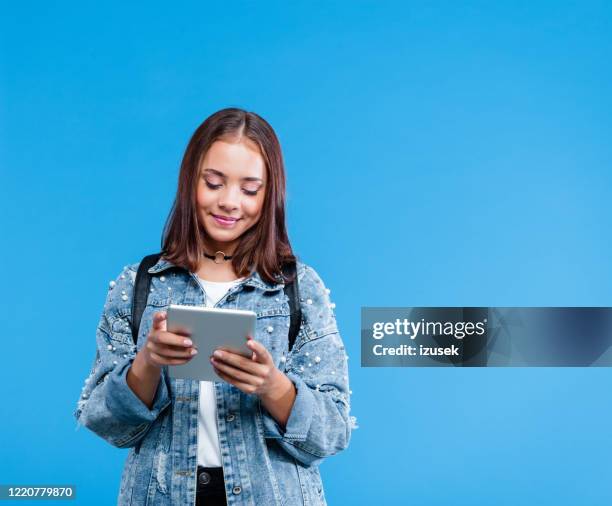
(254, 279)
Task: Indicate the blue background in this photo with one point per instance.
(438, 153)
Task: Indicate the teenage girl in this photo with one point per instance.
(258, 434)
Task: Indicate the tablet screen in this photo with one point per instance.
(209, 329)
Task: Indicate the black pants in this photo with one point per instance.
(210, 487)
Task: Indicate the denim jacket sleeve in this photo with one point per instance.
(107, 405)
(319, 424)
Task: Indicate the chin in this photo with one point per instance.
(220, 236)
(223, 235)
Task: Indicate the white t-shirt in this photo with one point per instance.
(209, 452)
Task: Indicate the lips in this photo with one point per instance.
(224, 220)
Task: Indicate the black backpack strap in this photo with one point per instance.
(292, 290)
(142, 285)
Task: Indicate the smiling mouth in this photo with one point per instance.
(225, 220)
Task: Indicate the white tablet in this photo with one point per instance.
(209, 329)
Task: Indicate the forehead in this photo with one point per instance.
(235, 159)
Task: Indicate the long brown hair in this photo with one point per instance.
(262, 248)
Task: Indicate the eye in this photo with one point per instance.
(252, 188)
(213, 181)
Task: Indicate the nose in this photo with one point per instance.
(229, 198)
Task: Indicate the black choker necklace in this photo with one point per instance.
(218, 257)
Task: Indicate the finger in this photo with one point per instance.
(239, 362)
(169, 338)
(262, 354)
(237, 374)
(161, 360)
(253, 354)
(171, 351)
(246, 388)
(159, 320)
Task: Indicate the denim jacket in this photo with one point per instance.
(262, 463)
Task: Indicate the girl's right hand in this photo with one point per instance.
(165, 348)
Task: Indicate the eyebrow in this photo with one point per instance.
(219, 173)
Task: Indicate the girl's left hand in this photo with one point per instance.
(257, 375)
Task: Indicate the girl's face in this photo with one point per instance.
(230, 193)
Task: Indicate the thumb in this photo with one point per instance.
(159, 320)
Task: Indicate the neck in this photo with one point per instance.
(211, 247)
(211, 271)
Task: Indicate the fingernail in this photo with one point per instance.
(187, 342)
(217, 353)
(193, 351)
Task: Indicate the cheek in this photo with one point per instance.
(203, 197)
(253, 208)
